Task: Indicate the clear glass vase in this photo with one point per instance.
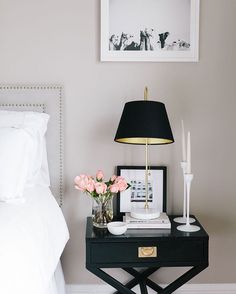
(102, 212)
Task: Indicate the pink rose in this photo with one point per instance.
(99, 175)
(113, 178)
(90, 186)
(101, 188)
(122, 184)
(114, 188)
(119, 178)
(81, 182)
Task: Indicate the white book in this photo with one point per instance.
(148, 226)
(161, 222)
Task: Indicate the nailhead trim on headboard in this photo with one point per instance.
(43, 107)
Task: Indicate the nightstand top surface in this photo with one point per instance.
(101, 234)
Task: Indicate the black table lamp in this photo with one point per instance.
(144, 123)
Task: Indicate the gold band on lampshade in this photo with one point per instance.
(142, 141)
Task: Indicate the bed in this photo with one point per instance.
(33, 232)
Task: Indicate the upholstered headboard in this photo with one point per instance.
(46, 99)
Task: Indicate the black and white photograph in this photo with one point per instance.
(149, 30)
(138, 191)
(135, 197)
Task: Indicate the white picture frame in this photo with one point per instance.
(169, 36)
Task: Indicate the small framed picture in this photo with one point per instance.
(150, 30)
(135, 196)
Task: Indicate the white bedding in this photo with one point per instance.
(32, 237)
(57, 284)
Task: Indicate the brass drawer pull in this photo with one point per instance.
(147, 251)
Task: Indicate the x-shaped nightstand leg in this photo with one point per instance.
(183, 279)
(141, 278)
(110, 280)
(170, 288)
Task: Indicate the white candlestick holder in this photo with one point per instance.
(183, 219)
(188, 227)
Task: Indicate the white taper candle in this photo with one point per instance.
(183, 143)
(188, 154)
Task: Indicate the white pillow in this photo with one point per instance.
(35, 123)
(42, 178)
(16, 150)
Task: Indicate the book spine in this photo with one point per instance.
(131, 221)
(145, 222)
(140, 226)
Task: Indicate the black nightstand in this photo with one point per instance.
(150, 249)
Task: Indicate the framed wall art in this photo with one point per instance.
(134, 197)
(149, 30)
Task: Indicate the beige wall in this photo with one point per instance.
(57, 41)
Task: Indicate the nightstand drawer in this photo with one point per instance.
(146, 251)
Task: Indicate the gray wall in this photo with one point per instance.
(57, 41)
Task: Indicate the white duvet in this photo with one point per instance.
(32, 237)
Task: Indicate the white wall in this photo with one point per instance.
(57, 41)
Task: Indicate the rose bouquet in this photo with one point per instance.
(102, 192)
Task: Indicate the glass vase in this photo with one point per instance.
(102, 212)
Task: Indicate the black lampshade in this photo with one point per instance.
(144, 121)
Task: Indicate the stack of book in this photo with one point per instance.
(162, 222)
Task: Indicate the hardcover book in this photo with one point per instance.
(162, 222)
